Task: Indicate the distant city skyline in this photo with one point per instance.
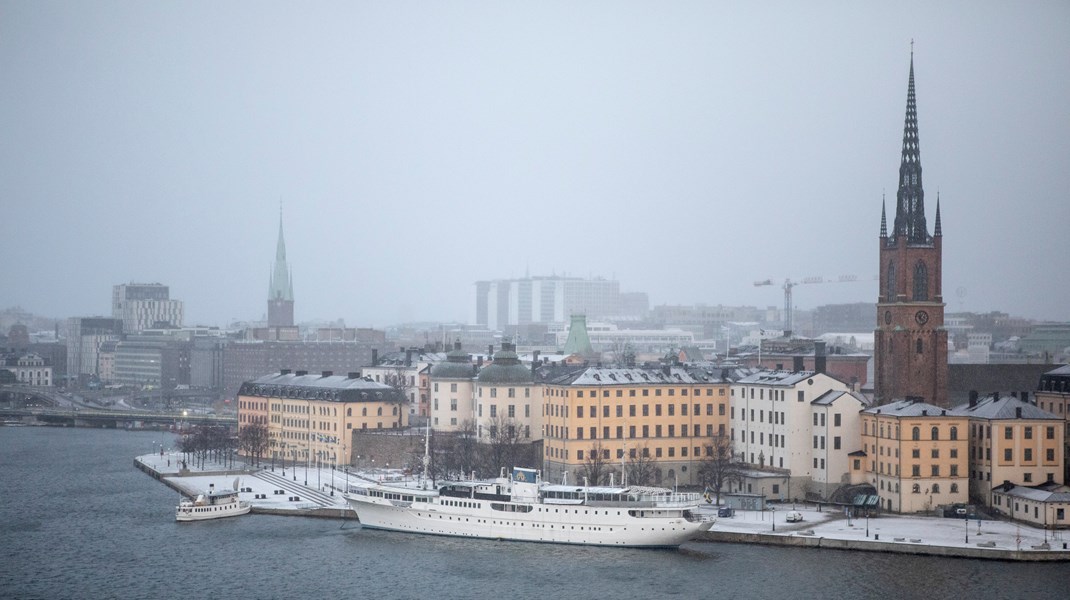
(684, 151)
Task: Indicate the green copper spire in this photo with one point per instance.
(281, 286)
(578, 341)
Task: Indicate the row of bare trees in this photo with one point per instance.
(717, 469)
(505, 444)
(208, 442)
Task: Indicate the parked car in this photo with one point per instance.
(793, 516)
(725, 511)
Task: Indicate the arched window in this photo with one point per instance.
(954, 488)
(954, 433)
(916, 488)
(921, 282)
(936, 488)
(915, 434)
(936, 433)
(380, 413)
(890, 283)
(919, 347)
(364, 411)
(349, 412)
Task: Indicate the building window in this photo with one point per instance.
(1028, 433)
(915, 470)
(954, 488)
(936, 488)
(915, 434)
(954, 432)
(921, 282)
(1028, 454)
(954, 470)
(920, 348)
(1008, 454)
(1008, 433)
(836, 442)
(935, 433)
(1051, 431)
(916, 488)
(890, 284)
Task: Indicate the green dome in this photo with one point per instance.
(457, 365)
(506, 368)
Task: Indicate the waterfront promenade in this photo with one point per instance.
(299, 491)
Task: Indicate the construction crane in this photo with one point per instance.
(789, 317)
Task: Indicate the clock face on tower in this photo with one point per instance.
(887, 317)
(921, 317)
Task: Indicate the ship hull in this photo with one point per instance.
(559, 524)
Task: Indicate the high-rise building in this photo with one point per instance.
(281, 288)
(84, 338)
(143, 306)
(910, 342)
(503, 303)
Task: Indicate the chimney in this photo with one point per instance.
(479, 361)
(328, 373)
(796, 364)
(973, 398)
(375, 357)
(490, 351)
(408, 357)
(301, 373)
(1017, 412)
(284, 371)
(1014, 394)
(1025, 396)
(820, 360)
(353, 375)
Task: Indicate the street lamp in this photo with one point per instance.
(966, 520)
(773, 508)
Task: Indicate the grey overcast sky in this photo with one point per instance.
(685, 149)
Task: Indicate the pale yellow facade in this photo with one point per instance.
(916, 456)
(637, 412)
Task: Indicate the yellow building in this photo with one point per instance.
(1053, 395)
(917, 455)
(311, 418)
(656, 422)
(1011, 440)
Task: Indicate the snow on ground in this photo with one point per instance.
(934, 531)
(312, 487)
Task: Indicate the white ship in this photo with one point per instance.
(213, 505)
(524, 508)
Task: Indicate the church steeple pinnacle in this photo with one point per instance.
(281, 285)
(936, 228)
(910, 199)
(884, 220)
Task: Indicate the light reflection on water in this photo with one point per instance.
(77, 520)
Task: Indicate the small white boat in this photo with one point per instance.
(212, 505)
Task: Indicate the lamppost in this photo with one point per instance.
(966, 520)
(867, 521)
(282, 447)
(773, 515)
(293, 467)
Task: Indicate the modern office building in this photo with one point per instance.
(143, 306)
(505, 303)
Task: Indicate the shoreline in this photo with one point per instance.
(292, 499)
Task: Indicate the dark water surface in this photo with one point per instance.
(78, 520)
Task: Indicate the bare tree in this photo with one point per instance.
(596, 466)
(253, 440)
(507, 445)
(720, 466)
(640, 467)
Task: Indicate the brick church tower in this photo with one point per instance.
(910, 342)
(281, 287)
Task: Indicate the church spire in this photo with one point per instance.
(884, 219)
(281, 285)
(910, 199)
(936, 228)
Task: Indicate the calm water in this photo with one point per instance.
(77, 520)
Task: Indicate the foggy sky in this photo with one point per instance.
(686, 149)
